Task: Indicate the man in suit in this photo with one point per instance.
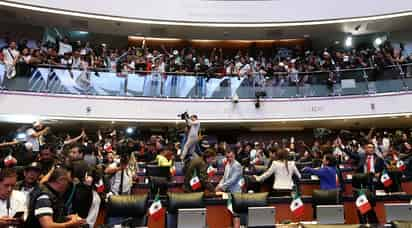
(368, 162)
(231, 180)
(199, 165)
(371, 164)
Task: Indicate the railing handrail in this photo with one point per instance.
(61, 66)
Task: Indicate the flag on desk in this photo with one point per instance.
(386, 179)
(401, 165)
(362, 203)
(211, 171)
(100, 186)
(195, 183)
(173, 170)
(156, 209)
(296, 206)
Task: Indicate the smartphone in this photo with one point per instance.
(18, 215)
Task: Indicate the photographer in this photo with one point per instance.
(192, 136)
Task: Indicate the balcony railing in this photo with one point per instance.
(58, 79)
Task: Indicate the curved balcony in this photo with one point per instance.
(358, 98)
(101, 82)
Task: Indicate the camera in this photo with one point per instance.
(183, 116)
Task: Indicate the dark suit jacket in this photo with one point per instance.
(379, 163)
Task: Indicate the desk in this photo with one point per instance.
(218, 216)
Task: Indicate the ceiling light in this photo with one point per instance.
(378, 41)
(129, 130)
(348, 41)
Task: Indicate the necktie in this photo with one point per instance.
(369, 164)
(121, 182)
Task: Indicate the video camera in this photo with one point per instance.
(183, 116)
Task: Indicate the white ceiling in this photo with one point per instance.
(327, 32)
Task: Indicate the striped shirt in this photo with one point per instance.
(43, 206)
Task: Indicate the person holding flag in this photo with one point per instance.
(199, 166)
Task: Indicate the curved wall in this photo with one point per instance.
(230, 11)
(212, 111)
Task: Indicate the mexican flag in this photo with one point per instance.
(385, 179)
(9, 160)
(100, 186)
(195, 183)
(173, 171)
(156, 209)
(401, 165)
(363, 204)
(211, 171)
(296, 206)
(229, 204)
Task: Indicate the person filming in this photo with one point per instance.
(192, 136)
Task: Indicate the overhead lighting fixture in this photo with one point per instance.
(129, 130)
(83, 32)
(348, 41)
(153, 38)
(378, 41)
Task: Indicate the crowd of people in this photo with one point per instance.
(55, 178)
(279, 64)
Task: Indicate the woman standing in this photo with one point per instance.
(283, 171)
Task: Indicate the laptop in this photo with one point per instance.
(398, 211)
(261, 216)
(191, 218)
(330, 214)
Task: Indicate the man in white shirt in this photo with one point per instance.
(11, 56)
(34, 134)
(65, 47)
(11, 201)
(122, 179)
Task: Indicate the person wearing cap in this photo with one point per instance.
(34, 134)
(31, 179)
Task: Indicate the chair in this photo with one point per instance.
(242, 201)
(182, 201)
(130, 208)
(362, 181)
(325, 197)
(159, 178)
(396, 177)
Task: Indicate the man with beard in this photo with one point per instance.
(47, 159)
